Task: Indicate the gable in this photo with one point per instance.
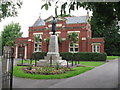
(49, 19)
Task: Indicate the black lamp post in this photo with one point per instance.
(11, 68)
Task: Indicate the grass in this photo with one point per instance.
(112, 57)
(91, 63)
(26, 61)
(18, 72)
(87, 63)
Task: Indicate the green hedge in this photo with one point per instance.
(67, 55)
(84, 56)
(38, 55)
(81, 56)
(88, 56)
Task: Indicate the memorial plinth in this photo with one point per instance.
(53, 53)
(53, 50)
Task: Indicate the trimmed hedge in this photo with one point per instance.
(67, 56)
(88, 56)
(84, 56)
(80, 56)
(38, 55)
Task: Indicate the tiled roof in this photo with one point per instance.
(81, 19)
(39, 22)
(69, 20)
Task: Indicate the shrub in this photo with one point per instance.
(80, 56)
(67, 55)
(84, 56)
(88, 56)
(38, 55)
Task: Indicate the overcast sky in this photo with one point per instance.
(30, 12)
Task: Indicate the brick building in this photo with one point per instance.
(65, 25)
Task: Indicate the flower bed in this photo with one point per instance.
(46, 70)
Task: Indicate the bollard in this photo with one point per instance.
(72, 62)
(50, 61)
(67, 63)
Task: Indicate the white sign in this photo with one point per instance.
(63, 39)
(83, 38)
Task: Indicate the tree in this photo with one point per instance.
(0, 46)
(37, 38)
(64, 15)
(112, 40)
(98, 8)
(59, 40)
(8, 8)
(73, 37)
(10, 33)
(103, 22)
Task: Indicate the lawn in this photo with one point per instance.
(26, 61)
(112, 57)
(18, 72)
(87, 63)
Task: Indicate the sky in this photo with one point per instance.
(30, 12)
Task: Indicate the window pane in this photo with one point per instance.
(76, 49)
(76, 45)
(40, 45)
(39, 49)
(35, 45)
(71, 45)
(71, 49)
(35, 49)
(98, 48)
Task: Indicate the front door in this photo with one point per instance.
(21, 50)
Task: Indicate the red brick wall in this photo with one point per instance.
(84, 45)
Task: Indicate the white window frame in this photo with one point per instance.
(40, 37)
(96, 47)
(38, 43)
(74, 31)
(74, 47)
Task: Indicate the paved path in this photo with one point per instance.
(0, 75)
(104, 76)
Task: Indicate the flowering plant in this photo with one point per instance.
(46, 70)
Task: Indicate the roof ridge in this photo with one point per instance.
(77, 16)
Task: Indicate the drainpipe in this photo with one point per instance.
(86, 41)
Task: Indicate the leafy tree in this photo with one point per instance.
(8, 8)
(64, 15)
(10, 33)
(48, 39)
(37, 38)
(103, 22)
(0, 46)
(112, 40)
(73, 37)
(99, 9)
